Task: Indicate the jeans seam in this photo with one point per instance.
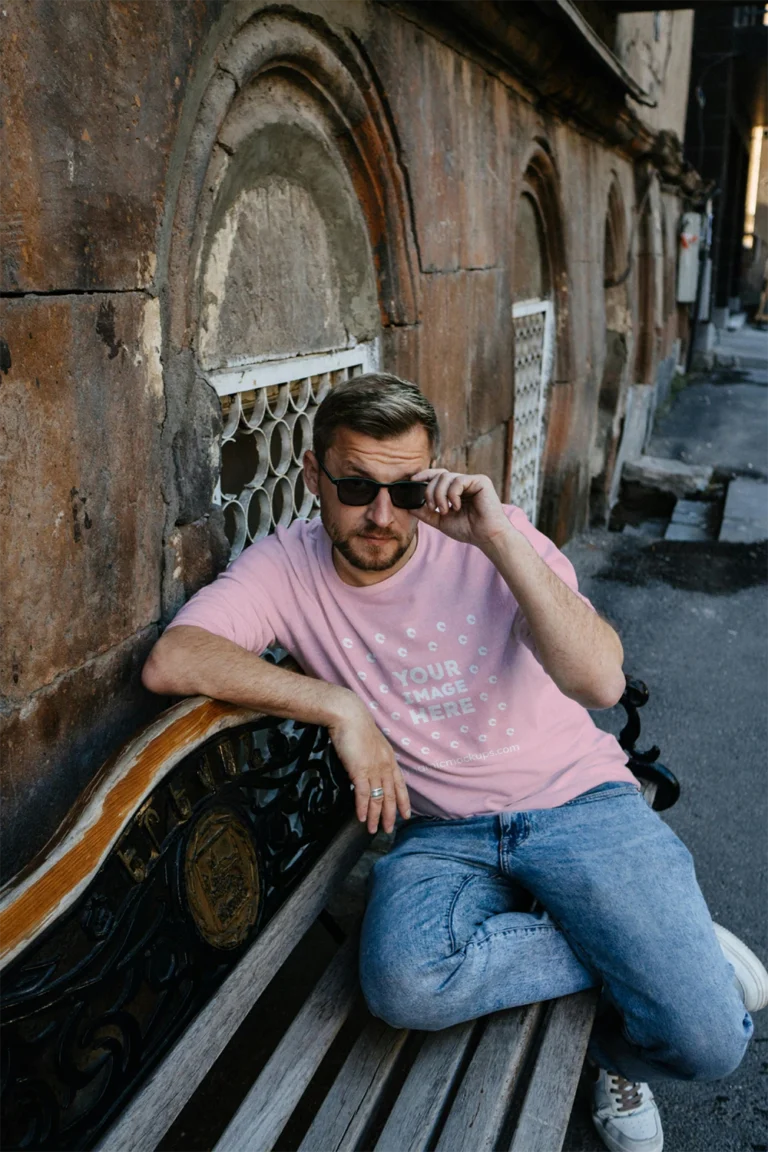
(454, 901)
(529, 931)
(614, 792)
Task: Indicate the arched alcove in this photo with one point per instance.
(618, 341)
(543, 349)
(289, 247)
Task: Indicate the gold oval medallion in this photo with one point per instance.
(221, 878)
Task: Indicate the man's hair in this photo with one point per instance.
(377, 405)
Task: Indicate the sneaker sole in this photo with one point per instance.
(750, 972)
(653, 1145)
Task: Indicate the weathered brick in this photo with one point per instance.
(444, 353)
(454, 124)
(489, 337)
(487, 455)
(80, 495)
(52, 745)
(194, 556)
(91, 95)
(465, 351)
(400, 352)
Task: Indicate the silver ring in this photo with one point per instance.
(376, 793)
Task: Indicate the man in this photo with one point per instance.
(452, 660)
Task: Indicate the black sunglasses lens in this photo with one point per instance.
(357, 492)
(408, 495)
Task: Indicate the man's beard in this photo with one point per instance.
(370, 562)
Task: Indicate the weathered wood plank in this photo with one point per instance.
(544, 1116)
(345, 1114)
(152, 1110)
(53, 881)
(421, 1103)
(266, 1109)
(482, 1102)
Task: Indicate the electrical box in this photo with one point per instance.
(688, 257)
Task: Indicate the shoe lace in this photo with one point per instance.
(627, 1092)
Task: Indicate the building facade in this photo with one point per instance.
(213, 211)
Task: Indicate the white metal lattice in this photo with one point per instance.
(533, 323)
(268, 409)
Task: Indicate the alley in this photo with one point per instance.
(692, 616)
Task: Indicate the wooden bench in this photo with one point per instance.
(136, 945)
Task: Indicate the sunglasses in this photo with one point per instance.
(357, 491)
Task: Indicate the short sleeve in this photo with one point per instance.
(552, 557)
(242, 603)
(549, 553)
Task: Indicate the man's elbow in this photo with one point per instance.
(158, 674)
(605, 692)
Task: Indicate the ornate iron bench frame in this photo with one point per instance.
(135, 945)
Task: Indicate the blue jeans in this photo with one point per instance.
(448, 935)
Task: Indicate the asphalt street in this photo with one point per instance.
(693, 618)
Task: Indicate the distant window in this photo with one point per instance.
(533, 321)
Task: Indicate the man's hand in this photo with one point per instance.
(188, 660)
(466, 508)
(370, 763)
(581, 652)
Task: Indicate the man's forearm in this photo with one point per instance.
(581, 653)
(187, 661)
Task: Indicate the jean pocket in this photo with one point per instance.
(604, 792)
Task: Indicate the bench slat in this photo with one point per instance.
(268, 1106)
(412, 1121)
(546, 1110)
(346, 1112)
(151, 1111)
(482, 1102)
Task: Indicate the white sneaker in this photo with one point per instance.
(750, 976)
(625, 1114)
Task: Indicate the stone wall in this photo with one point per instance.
(655, 48)
(153, 148)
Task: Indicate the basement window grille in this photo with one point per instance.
(268, 410)
(533, 322)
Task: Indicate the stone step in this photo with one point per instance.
(691, 520)
(745, 520)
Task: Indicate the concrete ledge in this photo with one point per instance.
(671, 476)
(745, 520)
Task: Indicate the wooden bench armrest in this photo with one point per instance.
(60, 873)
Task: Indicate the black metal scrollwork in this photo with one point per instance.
(90, 1007)
(645, 765)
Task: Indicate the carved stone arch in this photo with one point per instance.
(289, 123)
(330, 74)
(618, 351)
(540, 180)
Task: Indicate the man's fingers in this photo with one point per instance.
(375, 805)
(372, 809)
(389, 808)
(362, 797)
(439, 492)
(455, 489)
(402, 797)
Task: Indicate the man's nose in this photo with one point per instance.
(380, 512)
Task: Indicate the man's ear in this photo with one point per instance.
(311, 472)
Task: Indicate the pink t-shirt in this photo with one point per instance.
(440, 652)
